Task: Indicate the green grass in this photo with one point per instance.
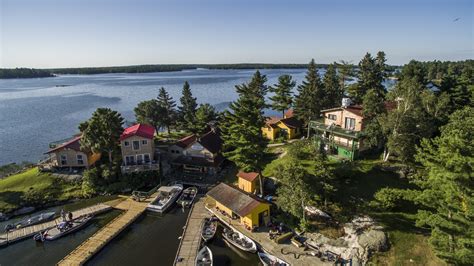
(14, 187)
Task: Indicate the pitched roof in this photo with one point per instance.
(239, 201)
(142, 130)
(272, 120)
(248, 176)
(74, 144)
(291, 122)
(355, 109)
(210, 140)
(199, 161)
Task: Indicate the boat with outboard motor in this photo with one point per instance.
(36, 219)
(209, 228)
(204, 257)
(270, 260)
(239, 240)
(63, 228)
(187, 197)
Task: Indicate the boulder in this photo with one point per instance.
(373, 241)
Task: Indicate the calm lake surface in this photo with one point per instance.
(35, 112)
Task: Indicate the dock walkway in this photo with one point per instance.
(96, 242)
(191, 238)
(29, 231)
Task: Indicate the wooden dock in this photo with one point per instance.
(29, 231)
(96, 242)
(191, 238)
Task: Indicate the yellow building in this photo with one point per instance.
(248, 182)
(288, 127)
(251, 210)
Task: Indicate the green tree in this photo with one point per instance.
(187, 110)
(345, 74)
(101, 133)
(149, 112)
(282, 99)
(334, 91)
(167, 105)
(311, 96)
(370, 76)
(241, 129)
(205, 114)
(294, 192)
(447, 189)
(373, 108)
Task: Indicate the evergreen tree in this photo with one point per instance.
(101, 133)
(149, 112)
(187, 110)
(370, 76)
(282, 99)
(311, 96)
(373, 108)
(345, 74)
(242, 127)
(447, 189)
(167, 105)
(334, 91)
(204, 115)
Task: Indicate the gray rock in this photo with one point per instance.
(374, 241)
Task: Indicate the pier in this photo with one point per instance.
(191, 238)
(29, 231)
(132, 210)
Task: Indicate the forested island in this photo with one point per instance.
(17, 73)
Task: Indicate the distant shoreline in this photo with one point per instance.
(16, 73)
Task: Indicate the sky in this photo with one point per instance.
(80, 33)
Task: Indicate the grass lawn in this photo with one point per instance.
(360, 181)
(14, 187)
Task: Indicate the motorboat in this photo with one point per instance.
(36, 219)
(209, 228)
(167, 195)
(204, 257)
(270, 260)
(187, 197)
(63, 228)
(239, 240)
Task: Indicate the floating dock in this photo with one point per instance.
(29, 231)
(96, 242)
(191, 238)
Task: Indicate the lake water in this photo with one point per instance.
(35, 112)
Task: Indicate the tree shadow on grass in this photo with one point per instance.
(12, 198)
(399, 222)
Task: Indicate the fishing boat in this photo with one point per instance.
(239, 240)
(270, 260)
(40, 218)
(187, 197)
(204, 257)
(209, 228)
(63, 228)
(167, 195)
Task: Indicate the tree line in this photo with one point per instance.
(15, 73)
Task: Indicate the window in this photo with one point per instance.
(80, 159)
(126, 143)
(332, 117)
(136, 145)
(147, 158)
(144, 142)
(350, 123)
(139, 159)
(63, 159)
(129, 160)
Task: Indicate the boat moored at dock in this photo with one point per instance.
(239, 240)
(40, 218)
(209, 228)
(187, 197)
(270, 260)
(167, 195)
(204, 257)
(63, 228)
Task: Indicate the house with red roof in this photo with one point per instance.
(198, 153)
(288, 127)
(69, 154)
(138, 148)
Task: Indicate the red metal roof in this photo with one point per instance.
(186, 141)
(248, 176)
(74, 144)
(142, 130)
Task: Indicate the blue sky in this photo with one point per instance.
(69, 33)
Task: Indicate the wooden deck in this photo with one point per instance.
(191, 238)
(96, 242)
(29, 231)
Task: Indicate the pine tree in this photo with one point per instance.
(370, 76)
(311, 96)
(187, 110)
(345, 74)
(447, 183)
(373, 108)
(204, 115)
(282, 99)
(241, 129)
(168, 117)
(333, 88)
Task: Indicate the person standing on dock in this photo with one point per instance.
(63, 215)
